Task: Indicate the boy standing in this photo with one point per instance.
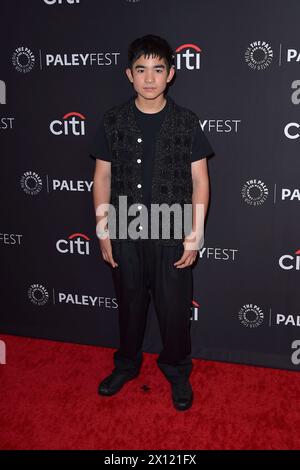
(152, 151)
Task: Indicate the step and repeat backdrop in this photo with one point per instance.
(62, 65)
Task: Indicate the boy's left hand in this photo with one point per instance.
(187, 259)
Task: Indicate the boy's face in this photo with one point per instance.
(149, 76)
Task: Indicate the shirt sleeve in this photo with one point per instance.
(99, 147)
(201, 146)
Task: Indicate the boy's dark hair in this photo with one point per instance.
(150, 45)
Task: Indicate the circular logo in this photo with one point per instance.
(255, 192)
(38, 294)
(251, 316)
(23, 59)
(31, 183)
(259, 55)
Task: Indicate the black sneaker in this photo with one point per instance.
(182, 395)
(114, 382)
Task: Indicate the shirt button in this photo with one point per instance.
(139, 160)
(139, 140)
(139, 185)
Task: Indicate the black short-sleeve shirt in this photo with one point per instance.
(149, 125)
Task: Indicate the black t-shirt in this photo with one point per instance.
(149, 125)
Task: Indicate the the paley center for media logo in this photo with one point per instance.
(259, 55)
(38, 294)
(23, 59)
(251, 315)
(31, 183)
(255, 192)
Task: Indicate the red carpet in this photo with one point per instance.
(49, 400)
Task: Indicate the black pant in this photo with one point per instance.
(146, 266)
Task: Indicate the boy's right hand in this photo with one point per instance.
(106, 250)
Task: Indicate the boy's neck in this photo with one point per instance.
(150, 106)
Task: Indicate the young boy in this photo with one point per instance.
(152, 151)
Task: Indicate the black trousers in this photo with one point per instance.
(146, 267)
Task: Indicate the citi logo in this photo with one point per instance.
(73, 123)
(188, 57)
(60, 2)
(195, 311)
(77, 243)
(292, 130)
(288, 262)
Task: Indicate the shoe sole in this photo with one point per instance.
(184, 408)
(110, 394)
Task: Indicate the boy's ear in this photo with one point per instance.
(171, 73)
(129, 74)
